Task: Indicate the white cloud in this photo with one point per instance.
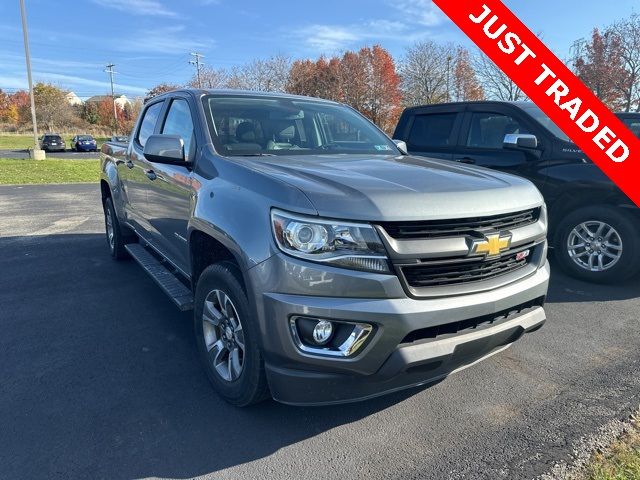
(423, 12)
(138, 7)
(163, 40)
(331, 39)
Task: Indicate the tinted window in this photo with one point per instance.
(179, 122)
(432, 130)
(148, 124)
(488, 129)
(633, 124)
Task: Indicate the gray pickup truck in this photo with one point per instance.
(322, 263)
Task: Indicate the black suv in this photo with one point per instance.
(52, 142)
(594, 226)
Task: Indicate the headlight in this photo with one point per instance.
(348, 245)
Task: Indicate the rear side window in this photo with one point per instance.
(633, 124)
(432, 130)
(488, 129)
(148, 125)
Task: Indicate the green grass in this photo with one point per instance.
(26, 171)
(621, 461)
(21, 142)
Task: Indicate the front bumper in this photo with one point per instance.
(388, 362)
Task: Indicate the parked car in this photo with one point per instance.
(119, 139)
(594, 227)
(323, 266)
(84, 143)
(52, 142)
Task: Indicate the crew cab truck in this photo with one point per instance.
(322, 264)
(594, 227)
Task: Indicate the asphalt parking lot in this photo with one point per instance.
(99, 378)
(65, 154)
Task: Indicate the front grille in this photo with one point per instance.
(460, 227)
(460, 271)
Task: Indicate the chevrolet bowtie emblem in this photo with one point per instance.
(492, 244)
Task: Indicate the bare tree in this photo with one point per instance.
(426, 73)
(627, 33)
(269, 75)
(210, 78)
(495, 83)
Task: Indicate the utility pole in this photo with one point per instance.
(111, 73)
(198, 65)
(36, 152)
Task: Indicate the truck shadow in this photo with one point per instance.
(568, 289)
(110, 386)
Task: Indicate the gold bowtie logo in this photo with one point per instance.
(492, 244)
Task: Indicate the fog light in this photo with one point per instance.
(322, 332)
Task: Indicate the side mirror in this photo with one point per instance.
(402, 146)
(520, 140)
(165, 149)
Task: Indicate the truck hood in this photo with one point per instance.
(391, 188)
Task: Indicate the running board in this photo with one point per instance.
(167, 281)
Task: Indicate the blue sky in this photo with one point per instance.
(150, 40)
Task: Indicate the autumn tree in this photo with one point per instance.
(382, 101)
(8, 109)
(601, 67)
(495, 84)
(466, 86)
(627, 35)
(316, 79)
(160, 89)
(52, 108)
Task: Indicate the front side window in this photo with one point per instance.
(148, 125)
(431, 131)
(543, 119)
(246, 125)
(488, 129)
(179, 122)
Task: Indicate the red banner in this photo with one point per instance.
(551, 86)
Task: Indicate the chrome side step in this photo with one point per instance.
(167, 280)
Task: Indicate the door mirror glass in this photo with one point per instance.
(520, 140)
(165, 149)
(402, 146)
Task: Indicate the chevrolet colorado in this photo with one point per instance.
(322, 264)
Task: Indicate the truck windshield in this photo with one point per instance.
(546, 122)
(261, 125)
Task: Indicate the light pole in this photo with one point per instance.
(35, 153)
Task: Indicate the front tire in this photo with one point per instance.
(113, 230)
(599, 244)
(227, 337)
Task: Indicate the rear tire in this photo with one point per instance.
(599, 244)
(227, 337)
(113, 230)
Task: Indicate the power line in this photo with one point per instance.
(110, 71)
(198, 64)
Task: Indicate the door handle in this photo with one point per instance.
(129, 164)
(150, 174)
(468, 160)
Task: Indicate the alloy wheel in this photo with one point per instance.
(594, 246)
(223, 335)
